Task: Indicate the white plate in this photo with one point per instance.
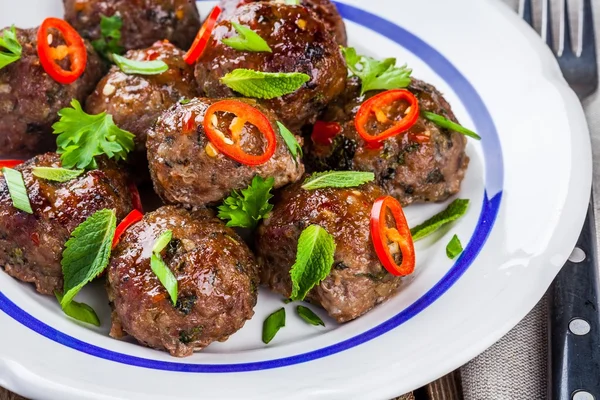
(529, 183)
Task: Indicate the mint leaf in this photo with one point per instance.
(56, 174)
(290, 141)
(87, 252)
(246, 208)
(309, 316)
(128, 66)
(314, 259)
(79, 311)
(163, 241)
(10, 48)
(455, 210)
(165, 276)
(337, 179)
(272, 325)
(447, 124)
(17, 189)
(110, 31)
(248, 40)
(82, 137)
(375, 74)
(454, 248)
(264, 85)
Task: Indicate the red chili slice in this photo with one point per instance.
(130, 219)
(376, 106)
(136, 200)
(50, 56)
(10, 163)
(383, 236)
(195, 52)
(324, 132)
(244, 113)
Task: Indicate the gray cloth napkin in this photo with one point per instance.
(516, 367)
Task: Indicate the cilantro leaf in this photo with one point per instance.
(454, 248)
(110, 39)
(444, 122)
(337, 179)
(248, 40)
(17, 189)
(314, 259)
(290, 141)
(79, 311)
(375, 74)
(244, 209)
(128, 66)
(87, 251)
(264, 85)
(455, 210)
(56, 174)
(309, 316)
(82, 136)
(10, 48)
(272, 325)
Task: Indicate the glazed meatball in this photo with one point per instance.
(31, 245)
(357, 282)
(300, 43)
(324, 9)
(30, 98)
(136, 101)
(217, 282)
(411, 171)
(186, 168)
(144, 21)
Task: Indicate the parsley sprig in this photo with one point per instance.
(10, 48)
(110, 39)
(246, 208)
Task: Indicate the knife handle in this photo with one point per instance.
(574, 324)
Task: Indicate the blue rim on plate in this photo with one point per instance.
(491, 205)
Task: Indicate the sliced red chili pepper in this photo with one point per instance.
(50, 56)
(384, 236)
(195, 52)
(377, 105)
(244, 113)
(324, 132)
(10, 163)
(136, 200)
(130, 219)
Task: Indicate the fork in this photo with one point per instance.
(574, 308)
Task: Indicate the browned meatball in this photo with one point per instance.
(324, 9)
(300, 43)
(30, 98)
(144, 21)
(412, 172)
(136, 101)
(358, 282)
(187, 170)
(31, 245)
(217, 281)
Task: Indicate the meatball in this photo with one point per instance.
(30, 98)
(144, 21)
(186, 169)
(136, 101)
(324, 9)
(31, 245)
(217, 282)
(357, 282)
(412, 172)
(300, 43)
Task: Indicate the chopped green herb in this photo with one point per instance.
(17, 189)
(163, 241)
(165, 276)
(292, 2)
(337, 179)
(248, 40)
(56, 174)
(154, 67)
(290, 141)
(455, 210)
(246, 208)
(454, 247)
(287, 301)
(447, 124)
(110, 39)
(184, 101)
(10, 48)
(309, 316)
(314, 259)
(264, 85)
(79, 311)
(272, 325)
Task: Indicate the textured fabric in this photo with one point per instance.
(516, 368)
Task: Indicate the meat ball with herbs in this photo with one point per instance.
(143, 22)
(299, 42)
(425, 164)
(30, 98)
(216, 274)
(187, 168)
(31, 245)
(324, 9)
(358, 281)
